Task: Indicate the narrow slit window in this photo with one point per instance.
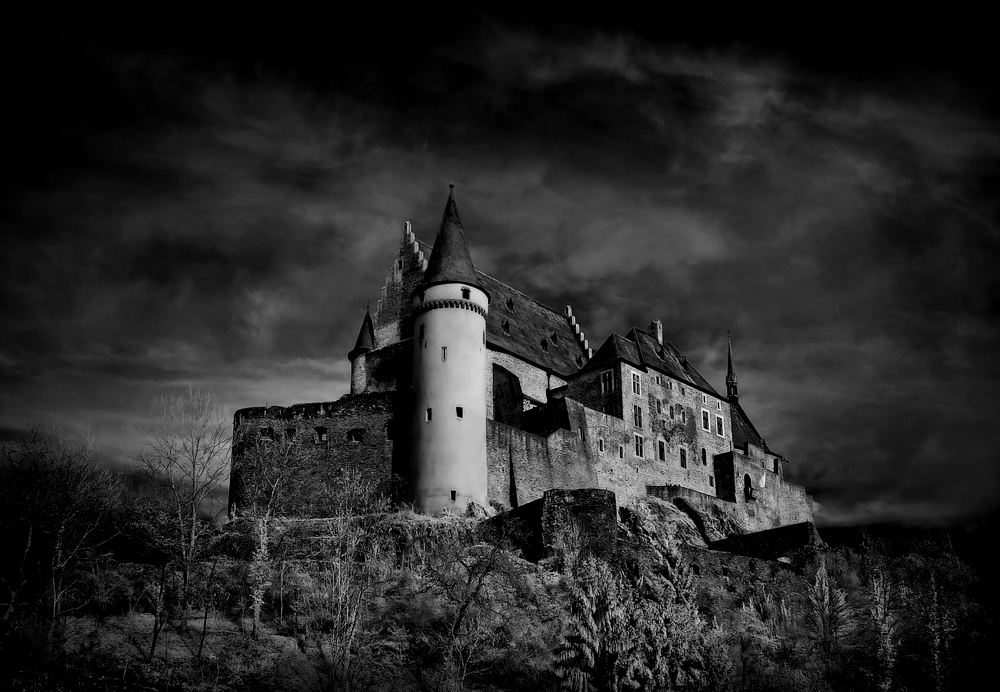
(600, 444)
(453, 495)
(459, 412)
(506, 327)
(621, 451)
(684, 416)
(704, 457)
(659, 406)
(428, 414)
(662, 448)
(684, 458)
(444, 353)
(711, 481)
(466, 294)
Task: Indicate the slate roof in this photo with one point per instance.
(528, 322)
(743, 430)
(366, 337)
(642, 350)
(450, 260)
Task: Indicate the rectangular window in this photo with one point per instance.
(600, 444)
(453, 495)
(684, 417)
(719, 430)
(711, 481)
(459, 412)
(636, 384)
(658, 380)
(671, 412)
(682, 390)
(704, 420)
(662, 448)
(427, 414)
(637, 416)
(444, 353)
(718, 405)
(621, 451)
(704, 457)
(684, 458)
(638, 445)
(465, 294)
(607, 382)
(704, 399)
(659, 406)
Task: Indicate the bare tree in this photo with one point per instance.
(185, 456)
(56, 498)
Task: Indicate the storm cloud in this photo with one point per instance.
(222, 217)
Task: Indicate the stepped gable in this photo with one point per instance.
(743, 430)
(528, 322)
(450, 261)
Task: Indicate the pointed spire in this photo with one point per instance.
(366, 337)
(450, 261)
(731, 389)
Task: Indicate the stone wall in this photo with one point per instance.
(522, 466)
(783, 541)
(390, 368)
(584, 519)
(316, 446)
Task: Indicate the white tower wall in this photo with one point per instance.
(448, 454)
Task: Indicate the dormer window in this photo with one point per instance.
(466, 294)
(506, 327)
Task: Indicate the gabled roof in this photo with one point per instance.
(450, 261)
(642, 350)
(529, 322)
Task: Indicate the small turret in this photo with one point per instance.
(359, 363)
(448, 432)
(731, 389)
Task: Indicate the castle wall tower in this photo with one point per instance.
(358, 355)
(448, 433)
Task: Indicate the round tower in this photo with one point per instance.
(358, 355)
(448, 440)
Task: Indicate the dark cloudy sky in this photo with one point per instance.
(216, 207)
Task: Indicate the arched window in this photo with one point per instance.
(356, 435)
(320, 434)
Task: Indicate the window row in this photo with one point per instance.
(429, 413)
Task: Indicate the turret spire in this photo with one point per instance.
(450, 261)
(731, 389)
(366, 337)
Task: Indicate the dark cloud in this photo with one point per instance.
(219, 212)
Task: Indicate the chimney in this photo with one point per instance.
(656, 329)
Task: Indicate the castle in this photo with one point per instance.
(478, 395)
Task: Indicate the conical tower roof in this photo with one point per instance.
(366, 337)
(450, 261)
